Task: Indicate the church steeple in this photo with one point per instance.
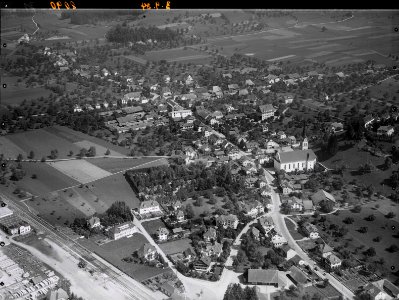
(304, 143)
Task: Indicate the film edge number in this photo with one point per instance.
(59, 4)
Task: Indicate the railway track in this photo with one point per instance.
(80, 252)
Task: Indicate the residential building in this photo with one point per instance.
(162, 234)
(308, 206)
(278, 240)
(332, 262)
(228, 221)
(297, 276)
(167, 289)
(267, 223)
(264, 277)
(321, 195)
(324, 250)
(122, 230)
(267, 111)
(385, 131)
(93, 222)
(214, 249)
(181, 113)
(252, 209)
(149, 206)
(375, 292)
(210, 235)
(147, 251)
(311, 230)
(388, 287)
(58, 294)
(12, 225)
(203, 264)
(255, 233)
(180, 216)
(298, 160)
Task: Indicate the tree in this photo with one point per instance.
(82, 263)
(326, 206)
(199, 201)
(20, 157)
(108, 152)
(31, 154)
(91, 152)
(43, 159)
(189, 211)
(370, 252)
(70, 153)
(54, 154)
(393, 248)
(388, 162)
(332, 145)
(390, 215)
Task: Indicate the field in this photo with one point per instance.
(63, 205)
(41, 142)
(75, 136)
(175, 246)
(15, 93)
(9, 149)
(115, 165)
(115, 251)
(48, 179)
(386, 229)
(100, 150)
(353, 158)
(80, 170)
(390, 86)
(341, 43)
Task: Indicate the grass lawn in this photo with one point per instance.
(291, 228)
(176, 246)
(114, 188)
(353, 157)
(41, 142)
(115, 251)
(9, 149)
(55, 209)
(115, 165)
(153, 225)
(76, 136)
(206, 207)
(386, 229)
(48, 179)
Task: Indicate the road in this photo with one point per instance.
(133, 289)
(281, 227)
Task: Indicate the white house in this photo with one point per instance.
(149, 206)
(228, 221)
(182, 113)
(162, 234)
(267, 111)
(278, 240)
(122, 230)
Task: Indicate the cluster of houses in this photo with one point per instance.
(62, 58)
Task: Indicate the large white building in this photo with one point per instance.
(122, 230)
(181, 113)
(149, 206)
(299, 160)
(267, 111)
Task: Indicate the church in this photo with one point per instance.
(297, 160)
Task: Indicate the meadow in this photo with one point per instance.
(15, 93)
(115, 165)
(386, 229)
(115, 251)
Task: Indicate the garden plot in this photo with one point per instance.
(80, 170)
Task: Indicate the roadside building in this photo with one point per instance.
(122, 230)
